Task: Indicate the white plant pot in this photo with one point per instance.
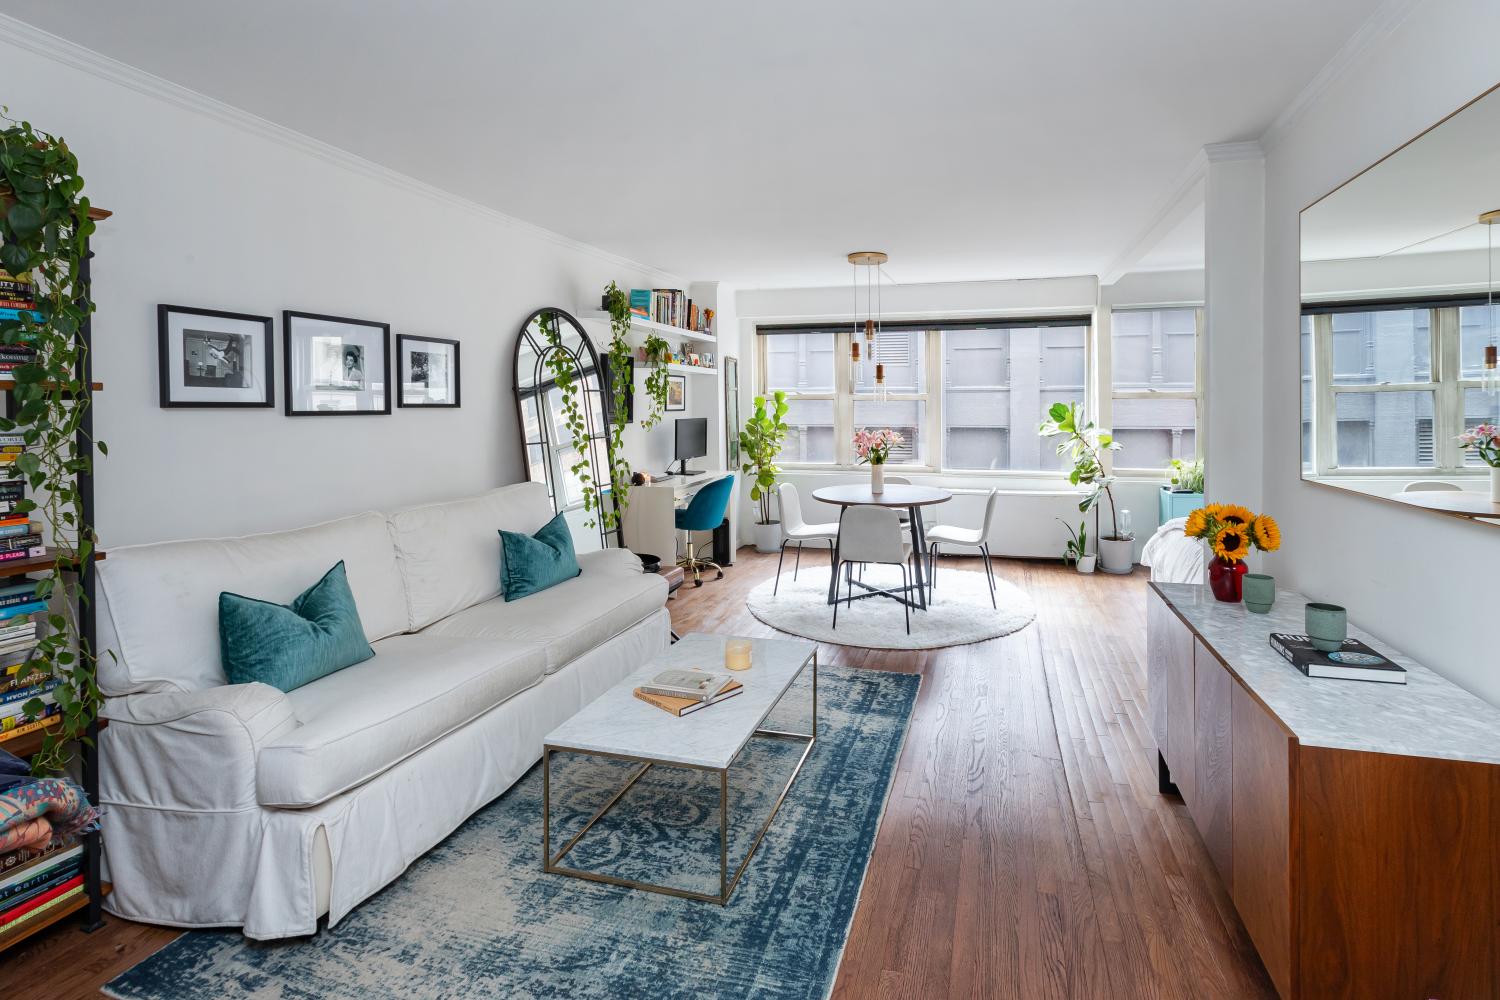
(877, 478)
(1116, 554)
(1086, 564)
(1494, 484)
(768, 536)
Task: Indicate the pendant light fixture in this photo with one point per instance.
(871, 261)
(1489, 377)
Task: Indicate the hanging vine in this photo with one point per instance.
(657, 353)
(618, 305)
(44, 228)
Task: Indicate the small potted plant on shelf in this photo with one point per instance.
(1077, 548)
(1485, 439)
(1231, 531)
(1185, 495)
(873, 448)
(760, 443)
(1084, 445)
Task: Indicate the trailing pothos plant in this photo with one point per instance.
(657, 352)
(45, 226)
(617, 303)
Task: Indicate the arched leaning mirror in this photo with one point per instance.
(562, 415)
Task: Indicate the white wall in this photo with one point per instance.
(251, 220)
(1418, 580)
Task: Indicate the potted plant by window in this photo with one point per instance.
(760, 443)
(1185, 495)
(1077, 548)
(1084, 445)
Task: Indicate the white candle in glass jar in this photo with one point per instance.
(737, 654)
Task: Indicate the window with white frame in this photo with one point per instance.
(965, 396)
(1156, 394)
(1387, 387)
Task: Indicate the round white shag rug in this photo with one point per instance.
(959, 613)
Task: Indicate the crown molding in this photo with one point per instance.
(1386, 19)
(43, 43)
(1223, 152)
(1185, 194)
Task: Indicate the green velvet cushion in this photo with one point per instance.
(530, 563)
(287, 646)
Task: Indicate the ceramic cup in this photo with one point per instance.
(1259, 592)
(1327, 626)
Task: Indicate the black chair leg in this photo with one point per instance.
(779, 561)
(798, 564)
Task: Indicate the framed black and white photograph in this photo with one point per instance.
(676, 392)
(428, 368)
(335, 365)
(209, 358)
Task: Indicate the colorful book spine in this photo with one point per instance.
(70, 888)
(27, 541)
(8, 529)
(9, 633)
(20, 864)
(54, 903)
(22, 695)
(9, 611)
(29, 315)
(39, 883)
(15, 723)
(30, 727)
(15, 554)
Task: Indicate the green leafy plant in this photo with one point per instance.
(657, 352)
(1084, 445)
(760, 443)
(617, 303)
(1078, 547)
(1187, 475)
(44, 226)
(564, 368)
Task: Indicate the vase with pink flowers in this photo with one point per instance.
(1485, 440)
(873, 448)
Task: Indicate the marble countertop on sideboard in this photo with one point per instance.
(1425, 717)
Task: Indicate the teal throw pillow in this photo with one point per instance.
(531, 563)
(289, 645)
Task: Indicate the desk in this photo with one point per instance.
(649, 523)
(896, 495)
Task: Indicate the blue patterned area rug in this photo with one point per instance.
(477, 917)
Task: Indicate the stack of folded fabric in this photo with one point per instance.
(42, 821)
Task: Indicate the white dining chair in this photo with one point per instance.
(974, 538)
(794, 529)
(872, 535)
(1425, 485)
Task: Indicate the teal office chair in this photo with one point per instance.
(705, 513)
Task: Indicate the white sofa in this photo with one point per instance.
(238, 805)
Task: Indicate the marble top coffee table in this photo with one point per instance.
(621, 726)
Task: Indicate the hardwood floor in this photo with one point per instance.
(1025, 851)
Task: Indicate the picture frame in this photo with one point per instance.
(211, 359)
(676, 393)
(428, 372)
(335, 366)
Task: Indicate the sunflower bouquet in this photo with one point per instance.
(1231, 530)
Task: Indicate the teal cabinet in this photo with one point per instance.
(1178, 504)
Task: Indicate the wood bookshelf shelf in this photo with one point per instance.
(30, 743)
(23, 931)
(19, 566)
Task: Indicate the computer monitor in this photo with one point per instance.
(692, 442)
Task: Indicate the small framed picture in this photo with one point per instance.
(429, 371)
(334, 365)
(209, 358)
(676, 392)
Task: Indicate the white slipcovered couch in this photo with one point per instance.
(240, 805)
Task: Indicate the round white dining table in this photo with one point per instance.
(897, 495)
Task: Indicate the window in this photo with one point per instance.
(997, 387)
(1389, 387)
(949, 391)
(1155, 396)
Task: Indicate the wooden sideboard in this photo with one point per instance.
(1355, 825)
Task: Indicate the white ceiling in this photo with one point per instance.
(1182, 249)
(758, 143)
(1425, 198)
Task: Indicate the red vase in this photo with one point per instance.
(1224, 577)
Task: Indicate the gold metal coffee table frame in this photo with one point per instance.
(726, 884)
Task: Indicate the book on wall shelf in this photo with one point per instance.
(670, 307)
